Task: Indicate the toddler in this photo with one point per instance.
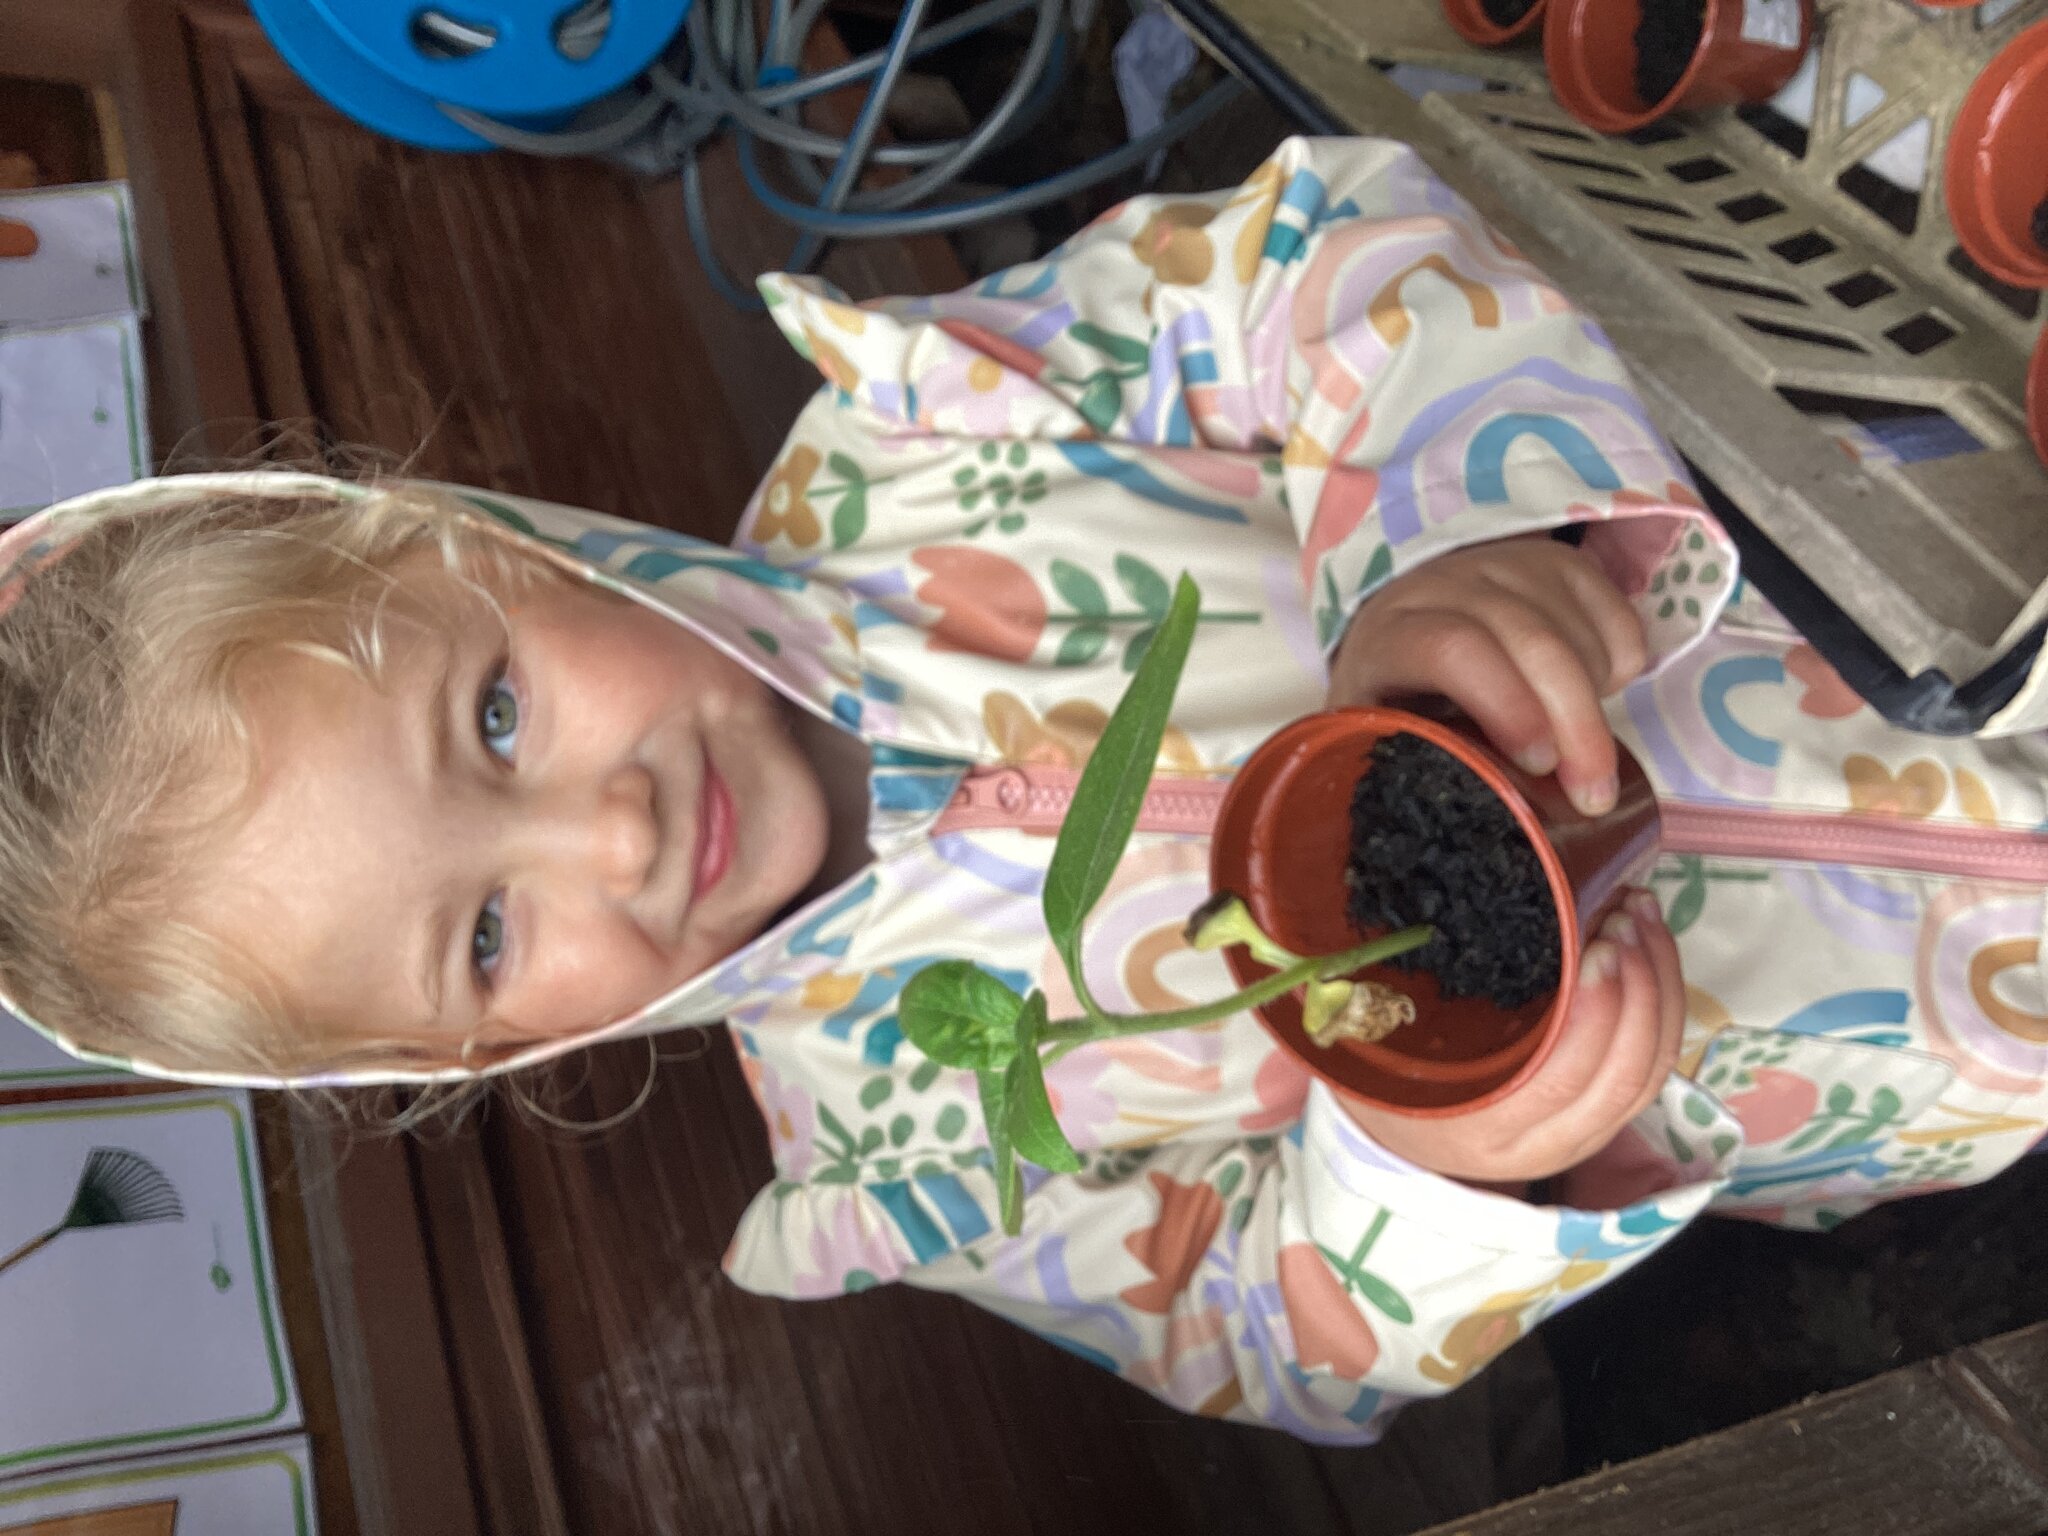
(309, 782)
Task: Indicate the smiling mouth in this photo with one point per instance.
(717, 834)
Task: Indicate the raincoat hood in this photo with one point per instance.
(795, 634)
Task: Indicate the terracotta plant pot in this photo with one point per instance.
(1997, 175)
(1747, 50)
(1475, 26)
(1282, 842)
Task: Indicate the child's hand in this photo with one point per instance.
(1525, 635)
(1618, 1047)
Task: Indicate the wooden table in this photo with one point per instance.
(1956, 1446)
(500, 1328)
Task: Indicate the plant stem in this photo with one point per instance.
(1064, 1033)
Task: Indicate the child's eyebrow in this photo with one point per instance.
(440, 925)
(438, 717)
(439, 929)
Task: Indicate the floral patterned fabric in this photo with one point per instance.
(1294, 391)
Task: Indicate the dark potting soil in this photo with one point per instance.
(1667, 37)
(1505, 13)
(1430, 843)
(2040, 224)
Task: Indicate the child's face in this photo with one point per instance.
(514, 839)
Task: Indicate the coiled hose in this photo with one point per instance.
(718, 77)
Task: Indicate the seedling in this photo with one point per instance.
(962, 1016)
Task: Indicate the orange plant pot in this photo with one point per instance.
(1997, 175)
(1747, 50)
(1471, 22)
(1282, 842)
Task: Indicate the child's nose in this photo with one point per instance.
(609, 837)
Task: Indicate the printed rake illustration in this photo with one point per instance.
(117, 1188)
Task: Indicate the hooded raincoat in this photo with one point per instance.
(1294, 391)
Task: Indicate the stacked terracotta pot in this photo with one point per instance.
(1746, 50)
(1997, 183)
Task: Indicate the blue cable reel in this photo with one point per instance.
(532, 64)
(662, 78)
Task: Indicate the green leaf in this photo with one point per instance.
(1034, 1129)
(1081, 645)
(838, 1173)
(1383, 1295)
(1885, 1103)
(846, 469)
(951, 1122)
(1101, 403)
(1147, 587)
(835, 1129)
(900, 1129)
(870, 1140)
(1808, 1137)
(995, 1111)
(1127, 350)
(1136, 647)
(850, 518)
(960, 1016)
(1080, 589)
(926, 1074)
(1687, 905)
(1378, 568)
(876, 1090)
(1111, 792)
(1841, 1099)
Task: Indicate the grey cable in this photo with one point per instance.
(720, 75)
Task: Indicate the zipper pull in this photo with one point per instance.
(1000, 791)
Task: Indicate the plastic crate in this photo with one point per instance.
(1766, 278)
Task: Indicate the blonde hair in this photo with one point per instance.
(121, 674)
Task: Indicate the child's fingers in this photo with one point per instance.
(1588, 1036)
(1620, 1090)
(1662, 950)
(1620, 626)
(1544, 587)
(1555, 672)
(1438, 651)
(1546, 1124)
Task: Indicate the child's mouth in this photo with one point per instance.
(717, 834)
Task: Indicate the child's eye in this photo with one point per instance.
(487, 941)
(497, 715)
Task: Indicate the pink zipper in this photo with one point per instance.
(1035, 799)
(1873, 842)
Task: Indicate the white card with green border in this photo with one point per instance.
(253, 1488)
(138, 1308)
(68, 253)
(28, 1062)
(71, 412)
